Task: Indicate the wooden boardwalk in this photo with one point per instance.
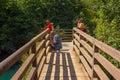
(63, 65)
(66, 64)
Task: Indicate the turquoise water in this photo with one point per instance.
(8, 74)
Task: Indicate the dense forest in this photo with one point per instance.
(20, 20)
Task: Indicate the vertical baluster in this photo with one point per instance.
(45, 49)
(80, 38)
(95, 51)
(80, 45)
(45, 54)
(35, 60)
(73, 31)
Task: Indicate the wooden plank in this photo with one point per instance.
(76, 50)
(14, 57)
(87, 56)
(40, 56)
(66, 35)
(31, 74)
(77, 43)
(100, 73)
(47, 43)
(95, 79)
(21, 71)
(109, 50)
(86, 65)
(69, 71)
(47, 50)
(41, 66)
(47, 36)
(88, 37)
(40, 36)
(65, 30)
(66, 40)
(8, 62)
(87, 46)
(76, 37)
(69, 35)
(40, 46)
(108, 66)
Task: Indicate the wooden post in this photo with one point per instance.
(35, 61)
(73, 36)
(95, 51)
(80, 37)
(45, 49)
(45, 54)
(34, 52)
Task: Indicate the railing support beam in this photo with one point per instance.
(34, 64)
(95, 51)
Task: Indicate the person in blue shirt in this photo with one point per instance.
(56, 43)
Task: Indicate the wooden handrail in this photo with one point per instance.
(32, 58)
(65, 35)
(88, 50)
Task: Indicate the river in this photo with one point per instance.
(8, 74)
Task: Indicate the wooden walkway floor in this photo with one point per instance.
(63, 65)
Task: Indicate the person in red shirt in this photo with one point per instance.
(49, 25)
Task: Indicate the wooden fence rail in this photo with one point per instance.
(89, 51)
(87, 48)
(38, 48)
(65, 35)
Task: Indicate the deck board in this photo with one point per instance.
(63, 65)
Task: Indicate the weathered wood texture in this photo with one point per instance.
(65, 35)
(37, 48)
(88, 50)
(63, 65)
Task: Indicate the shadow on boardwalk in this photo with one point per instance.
(63, 67)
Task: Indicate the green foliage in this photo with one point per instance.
(105, 19)
(20, 20)
(16, 28)
(108, 25)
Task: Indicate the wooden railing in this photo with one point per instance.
(89, 51)
(37, 48)
(86, 47)
(65, 34)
